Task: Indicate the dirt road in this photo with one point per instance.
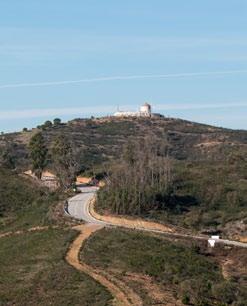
(123, 295)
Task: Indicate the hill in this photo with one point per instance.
(102, 139)
(209, 165)
(207, 192)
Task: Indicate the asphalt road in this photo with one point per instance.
(78, 208)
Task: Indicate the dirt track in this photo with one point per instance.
(123, 295)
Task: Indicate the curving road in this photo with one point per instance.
(78, 208)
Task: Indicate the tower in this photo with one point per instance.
(145, 110)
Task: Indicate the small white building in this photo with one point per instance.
(145, 111)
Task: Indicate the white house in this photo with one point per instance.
(145, 111)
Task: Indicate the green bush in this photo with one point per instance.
(186, 299)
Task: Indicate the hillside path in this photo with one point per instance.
(123, 295)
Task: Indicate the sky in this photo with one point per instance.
(74, 59)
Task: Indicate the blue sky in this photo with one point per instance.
(52, 41)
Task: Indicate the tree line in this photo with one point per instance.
(141, 180)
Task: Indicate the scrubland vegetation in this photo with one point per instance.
(201, 195)
(187, 174)
(33, 272)
(181, 268)
(23, 204)
(209, 194)
(173, 171)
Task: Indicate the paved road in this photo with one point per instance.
(78, 208)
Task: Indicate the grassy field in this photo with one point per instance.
(192, 277)
(34, 272)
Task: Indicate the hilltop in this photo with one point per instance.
(102, 139)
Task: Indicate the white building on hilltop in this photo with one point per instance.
(145, 111)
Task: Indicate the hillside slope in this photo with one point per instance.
(102, 139)
(210, 165)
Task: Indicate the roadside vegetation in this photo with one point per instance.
(140, 180)
(201, 195)
(180, 268)
(209, 196)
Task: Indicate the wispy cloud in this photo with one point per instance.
(104, 110)
(128, 77)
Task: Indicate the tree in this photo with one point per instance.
(140, 180)
(7, 155)
(129, 154)
(47, 124)
(57, 121)
(24, 129)
(38, 153)
(65, 160)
